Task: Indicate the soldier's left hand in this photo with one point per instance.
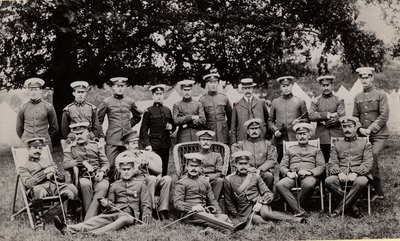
(257, 207)
(361, 170)
(49, 175)
(99, 176)
(168, 126)
(330, 122)
(303, 173)
(351, 177)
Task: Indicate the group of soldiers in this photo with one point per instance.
(136, 165)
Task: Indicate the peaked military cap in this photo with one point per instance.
(347, 120)
(130, 136)
(125, 158)
(79, 127)
(80, 85)
(253, 122)
(302, 127)
(194, 157)
(330, 78)
(211, 77)
(161, 86)
(119, 80)
(186, 83)
(37, 141)
(241, 155)
(206, 134)
(34, 83)
(285, 79)
(365, 71)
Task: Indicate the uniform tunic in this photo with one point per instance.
(78, 112)
(36, 118)
(242, 112)
(212, 168)
(218, 111)
(130, 196)
(284, 110)
(349, 155)
(182, 114)
(319, 113)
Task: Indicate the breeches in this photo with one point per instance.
(50, 189)
(91, 191)
(217, 221)
(164, 183)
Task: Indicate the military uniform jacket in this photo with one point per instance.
(182, 114)
(190, 192)
(354, 150)
(36, 118)
(218, 111)
(118, 110)
(307, 157)
(81, 112)
(213, 165)
(242, 112)
(372, 108)
(264, 153)
(243, 202)
(33, 167)
(130, 196)
(319, 113)
(284, 110)
(152, 131)
(90, 152)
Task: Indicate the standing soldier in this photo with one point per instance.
(118, 109)
(157, 127)
(188, 114)
(326, 111)
(286, 111)
(264, 154)
(80, 111)
(372, 108)
(217, 108)
(36, 118)
(247, 108)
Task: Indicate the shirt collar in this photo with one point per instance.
(303, 145)
(351, 139)
(254, 140)
(118, 96)
(187, 99)
(34, 159)
(158, 104)
(287, 96)
(369, 89)
(328, 95)
(35, 102)
(212, 93)
(79, 104)
(248, 99)
(192, 177)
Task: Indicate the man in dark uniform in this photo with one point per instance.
(193, 194)
(248, 107)
(213, 164)
(38, 176)
(326, 111)
(218, 110)
(93, 167)
(81, 111)
(304, 163)
(286, 111)
(36, 118)
(188, 114)
(157, 127)
(118, 109)
(151, 170)
(246, 191)
(263, 158)
(372, 108)
(351, 161)
(128, 194)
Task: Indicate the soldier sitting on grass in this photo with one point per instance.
(127, 198)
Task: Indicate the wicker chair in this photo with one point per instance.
(189, 147)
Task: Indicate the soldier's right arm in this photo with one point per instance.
(102, 111)
(144, 129)
(284, 165)
(315, 115)
(202, 116)
(234, 124)
(271, 120)
(179, 198)
(30, 180)
(333, 163)
(20, 121)
(69, 161)
(356, 108)
(229, 196)
(179, 118)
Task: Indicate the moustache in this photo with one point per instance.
(37, 153)
(347, 132)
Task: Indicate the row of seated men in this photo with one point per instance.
(247, 195)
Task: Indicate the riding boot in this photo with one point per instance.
(72, 215)
(37, 205)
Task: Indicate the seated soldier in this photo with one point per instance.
(40, 177)
(127, 198)
(92, 164)
(350, 161)
(247, 196)
(304, 164)
(151, 170)
(264, 155)
(193, 194)
(213, 164)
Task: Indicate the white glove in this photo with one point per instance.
(342, 177)
(88, 166)
(198, 208)
(352, 176)
(257, 207)
(291, 175)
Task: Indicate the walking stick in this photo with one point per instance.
(297, 193)
(127, 214)
(59, 196)
(345, 188)
(190, 214)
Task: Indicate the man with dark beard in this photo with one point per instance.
(264, 154)
(93, 167)
(245, 191)
(193, 194)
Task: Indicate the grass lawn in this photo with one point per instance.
(383, 223)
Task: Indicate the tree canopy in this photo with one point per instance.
(166, 41)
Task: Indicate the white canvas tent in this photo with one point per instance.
(297, 91)
(8, 119)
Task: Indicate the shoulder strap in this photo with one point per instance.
(245, 185)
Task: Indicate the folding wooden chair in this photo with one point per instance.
(190, 147)
(320, 187)
(21, 156)
(333, 141)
